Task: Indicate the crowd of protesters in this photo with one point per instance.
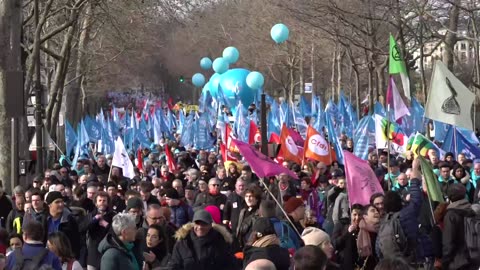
(204, 215)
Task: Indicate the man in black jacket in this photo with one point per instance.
(454, 250)
(60, 219)
(100, 221)
(212, 197)
(235, 204)
(202, 245)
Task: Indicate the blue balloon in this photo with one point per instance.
(279, 33)
(213, 84)
(220, 65)
(206, 88)
(233, 84)
(206, 63)
(198, 79)
(255, 80)
(231, 54)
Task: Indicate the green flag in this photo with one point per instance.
(395, 62)
(433, 187)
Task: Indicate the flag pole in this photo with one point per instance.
(455, 139)
(262, 180)
(389, 180)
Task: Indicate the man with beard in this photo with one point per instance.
(100, 221)
(212, 197)
(118, 205)
(100, 168)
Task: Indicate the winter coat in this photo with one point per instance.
(235, 204)
(181, 214)
(245, 224)
(6, 206)
(346, 244)
(211, 252)
(95, 234)
(205, 199)
(454, 249)
(14, 221)
(277, 255)
(115, 255)
(340, 208)
(68, 225)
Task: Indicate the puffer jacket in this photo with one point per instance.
(210, 252)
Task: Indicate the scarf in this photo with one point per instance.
(364, 242)
(129, 248)
(266, 241)
(462, 204)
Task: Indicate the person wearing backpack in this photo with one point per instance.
(33, 254)
(398, 231)
(455, 253)
(289, 239)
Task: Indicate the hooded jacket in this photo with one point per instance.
(210, 252)
(454, 249)
(115, 255)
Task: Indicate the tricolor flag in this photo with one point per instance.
(317, 148)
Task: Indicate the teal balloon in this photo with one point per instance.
(279, 33)
(206, 88)
(255, 80)
(231, 54)
(233, 84)
(198, 79)
(206, 63)
(213, 84)
(220, 65)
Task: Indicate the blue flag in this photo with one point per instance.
(333, 139)
(142, 134)
(378, 109)
(305, 107)
(242, 124)
(202, 138)
(83, 138)
(417, 116)
(70, 138)
(463, 145)
(441, 130)
(93, 129)
(361, 138)
(188, 130)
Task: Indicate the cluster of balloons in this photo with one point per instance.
(235, 84)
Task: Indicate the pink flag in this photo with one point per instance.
(262, 165)
(395, 101)
(362, 182)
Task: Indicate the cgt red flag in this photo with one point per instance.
(172, 167)
(252, 135)
(140, 159)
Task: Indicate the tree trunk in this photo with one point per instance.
(332, 79)
(312, 68)
(10, 64)
(339, 72)
(451, 35)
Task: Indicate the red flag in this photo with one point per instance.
(140, 159)
(253, 133)
(288, 147)
(170, 160)
(317, 148)
(170, 103)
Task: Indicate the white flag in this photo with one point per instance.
(449, 101)
(121, 160)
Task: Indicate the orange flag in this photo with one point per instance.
(288, 147)
(317, 148)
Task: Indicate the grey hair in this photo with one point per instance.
(19, 190)
(121, 222)
(212, 181)
(194, 172)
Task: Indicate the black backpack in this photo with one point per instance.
(472, 237)
(31, 263)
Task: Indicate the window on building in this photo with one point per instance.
(463, 46)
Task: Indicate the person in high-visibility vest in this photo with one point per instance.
(15, 218)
